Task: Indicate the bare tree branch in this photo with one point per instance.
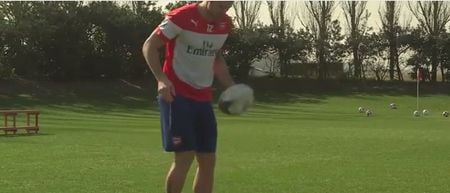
(246, 13)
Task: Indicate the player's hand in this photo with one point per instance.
(166, 90)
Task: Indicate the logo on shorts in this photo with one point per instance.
(176, 141)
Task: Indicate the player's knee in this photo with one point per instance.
(206, 159)
(184, 159)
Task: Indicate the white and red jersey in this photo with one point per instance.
(191, 47)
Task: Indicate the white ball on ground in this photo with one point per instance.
(445, 113)
(369, 113)
(361, 109)
(393, 106)
(416, 113)
(425, 112)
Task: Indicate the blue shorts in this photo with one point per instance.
(188, 125)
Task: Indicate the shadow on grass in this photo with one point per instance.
(40, 134)
(94, 97)
(279, 90)
(274, 97)
(120, 96)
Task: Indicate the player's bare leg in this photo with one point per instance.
(178, 172)
(204, 178)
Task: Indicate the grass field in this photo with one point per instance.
(288, 143)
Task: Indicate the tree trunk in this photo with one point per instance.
(356, 61)
(399, 71)
(434, 64)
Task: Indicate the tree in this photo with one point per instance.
(277, 11)
(13, 28)
(5, 68)
(445, 57)
(246, 13)
(373, 53)
(391, 30)
(243, 47)
(318, 21)
(44, 39)
(144, 18)
(177, 4)
(433, 16)
(356, 16)
(74, 40)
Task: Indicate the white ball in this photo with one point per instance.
(416, 113)
(236, 99)
(393, 106)
(445, 113)
(361, 109)
(425, 112)
(369, 113)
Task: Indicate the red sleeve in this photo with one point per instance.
(173, 24)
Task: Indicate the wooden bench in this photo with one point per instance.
(8, 128)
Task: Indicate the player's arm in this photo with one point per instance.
(151, 52)
(221, 71)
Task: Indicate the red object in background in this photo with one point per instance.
(420, 75)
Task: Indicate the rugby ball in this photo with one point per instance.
(236, 99)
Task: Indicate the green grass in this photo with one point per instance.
(287, 143)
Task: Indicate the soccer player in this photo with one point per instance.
(193, 36)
